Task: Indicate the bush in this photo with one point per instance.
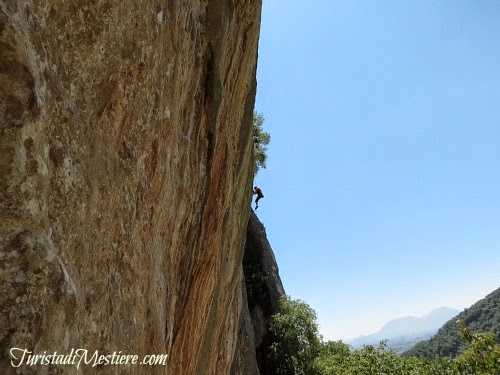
(483, 355)
(294, 335)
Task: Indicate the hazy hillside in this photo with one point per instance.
(483, 316)
(403, 333)
(432, 321)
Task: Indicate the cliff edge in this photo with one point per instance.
(126, 170)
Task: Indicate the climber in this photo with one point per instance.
(257, 191)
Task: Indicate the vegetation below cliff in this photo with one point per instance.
(297, 349)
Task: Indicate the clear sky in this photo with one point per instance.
(382, 191)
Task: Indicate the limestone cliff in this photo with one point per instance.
(125, 161)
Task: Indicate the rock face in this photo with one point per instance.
(125, 160)
(263, 290)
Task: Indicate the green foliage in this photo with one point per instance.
(260, 141)
(337, 358)
(295, 343)
(483, 316)
(483, 355)
(333, 357)
(297, 349)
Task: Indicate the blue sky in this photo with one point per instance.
(382, 191)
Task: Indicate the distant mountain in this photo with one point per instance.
(483, 316)
(430, 322)
(403, 333)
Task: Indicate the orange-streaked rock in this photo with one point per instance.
(125, 160)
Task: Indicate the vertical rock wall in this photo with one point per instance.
(264, 290)
(125, 161)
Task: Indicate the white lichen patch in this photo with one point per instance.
(42, 166)
(159, 16)
(33, 207)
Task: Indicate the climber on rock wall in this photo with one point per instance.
(257, 191)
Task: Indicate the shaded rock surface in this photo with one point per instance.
(125, 162)
(264, 290)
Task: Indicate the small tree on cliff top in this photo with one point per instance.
(260, 141)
